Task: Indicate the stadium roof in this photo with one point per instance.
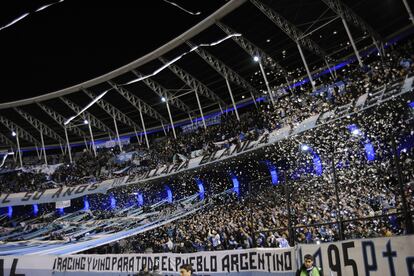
(56, 60)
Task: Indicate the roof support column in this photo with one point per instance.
(38, 152)
(201, 110)
(117, 135)
(18, 148)
(43, 145)
(221, 108)
(306, 66)
(143, 125)
(68, 144)
(410, 13)
(169, 115)
(163, 128)
(232, 99)
(265, 79)
(92, 140)
(329, 68)
(352, 42)
(191, 119)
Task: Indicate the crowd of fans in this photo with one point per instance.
(369, 202)
(305, 208)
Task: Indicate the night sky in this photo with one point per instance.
(74, 41)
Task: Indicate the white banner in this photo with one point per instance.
(62, 204)
(234, 262)
(379, 256)
(59, 194)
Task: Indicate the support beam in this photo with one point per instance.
(68, 144)
(143, 125)
(18, 148)
(232, 100)
(259, 60)
(113, 111)
(21, 131)
(43, 146)
(163, 92)
(95, 122)
(350, 16)
(200, 109)
(117, 135)
(37, 124)
(225, 71)
(410, 13)
(61, 120)
(163, 128)
(138, 103)
(6, 141)
(293, 33)
(169, 114)
(306, 66)
(289, 29)
(193, 83)
(254, 50)
(92, 139)
(351, 39)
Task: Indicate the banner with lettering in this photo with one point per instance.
(233, 262)
(63, 193)
(379, 256)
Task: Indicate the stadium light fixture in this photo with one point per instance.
(256, 58)
(85, 122)
(163, 99)
(14, 133)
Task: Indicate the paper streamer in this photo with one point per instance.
(181, 8)
(178, 58)
(153, 73)
(86, 107)
(28, 13)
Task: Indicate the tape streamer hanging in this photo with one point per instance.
(178, 58)
(153, 73)
(181, 8)
(86, 107)
(28, 13)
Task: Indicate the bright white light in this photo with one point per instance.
(256, 58)
(163, 99)
(85, 122)
(356, 132)
(14, 133)
(318, 242)
(304, 147)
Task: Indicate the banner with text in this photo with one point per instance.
(378, 256)
(234, 262)
(63, 193)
